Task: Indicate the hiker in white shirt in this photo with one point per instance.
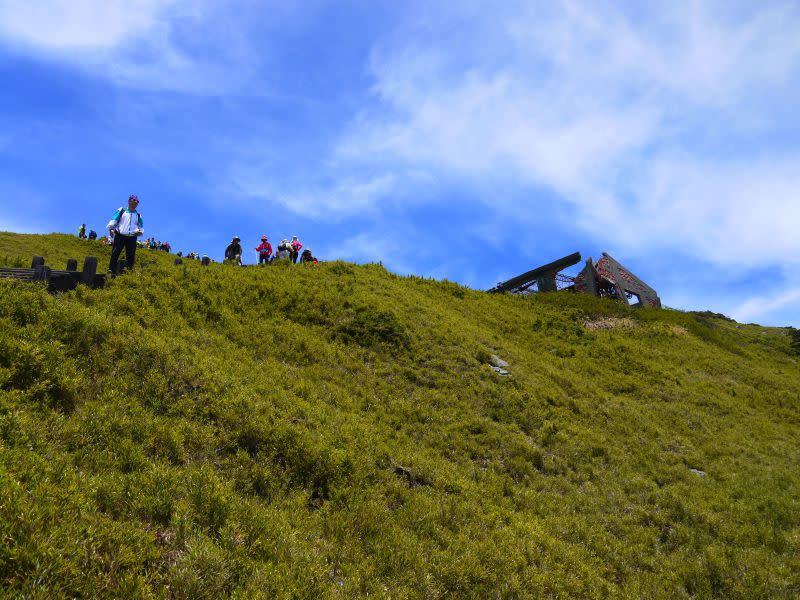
(127, 225)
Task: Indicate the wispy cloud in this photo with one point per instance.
(333, 201)
(65, 25)
(392, 248)
(650, 128)
(761, 307)
(740, 211)
(145, 44)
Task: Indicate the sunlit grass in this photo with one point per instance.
(336, 431)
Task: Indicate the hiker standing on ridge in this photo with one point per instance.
(233, 253)
(264, 251)
(82, 231)
(295, 248)
(284, 249)
(126, 225)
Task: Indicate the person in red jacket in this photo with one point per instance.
(296, 246)
(264, 251)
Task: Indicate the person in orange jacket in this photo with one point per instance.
(264, 251)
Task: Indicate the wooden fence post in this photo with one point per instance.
(41, 273)
(89, 270)
(72, 264)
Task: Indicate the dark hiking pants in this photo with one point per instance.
(128, 242)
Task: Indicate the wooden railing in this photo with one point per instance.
(57, 280)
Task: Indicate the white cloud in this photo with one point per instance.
(350, 196)
(388, 246)
(63, 25)
(704, 52)
(656, 131)
(489, 124)
(761, 307)
(146, 44)
(743, 212)
(345, 197)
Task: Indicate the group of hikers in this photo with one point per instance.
(126, 227)
(286, 250)
(154, 244)
(92, 235)
(151, 243)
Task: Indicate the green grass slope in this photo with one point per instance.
(336, 432)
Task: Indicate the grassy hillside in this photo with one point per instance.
(336, 432)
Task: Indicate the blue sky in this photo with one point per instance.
(469, 141)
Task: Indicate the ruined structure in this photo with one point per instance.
(607, 278)
(541, 279)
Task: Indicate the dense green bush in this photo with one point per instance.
(337, 432)
(371, 327)
(794, 334)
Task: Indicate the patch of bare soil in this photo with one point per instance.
(609, 323)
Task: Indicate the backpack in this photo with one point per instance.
(121, 211)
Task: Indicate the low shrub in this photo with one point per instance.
(374, 328)
(336, 432)
(794, 340)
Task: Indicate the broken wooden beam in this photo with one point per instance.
(544, 276)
